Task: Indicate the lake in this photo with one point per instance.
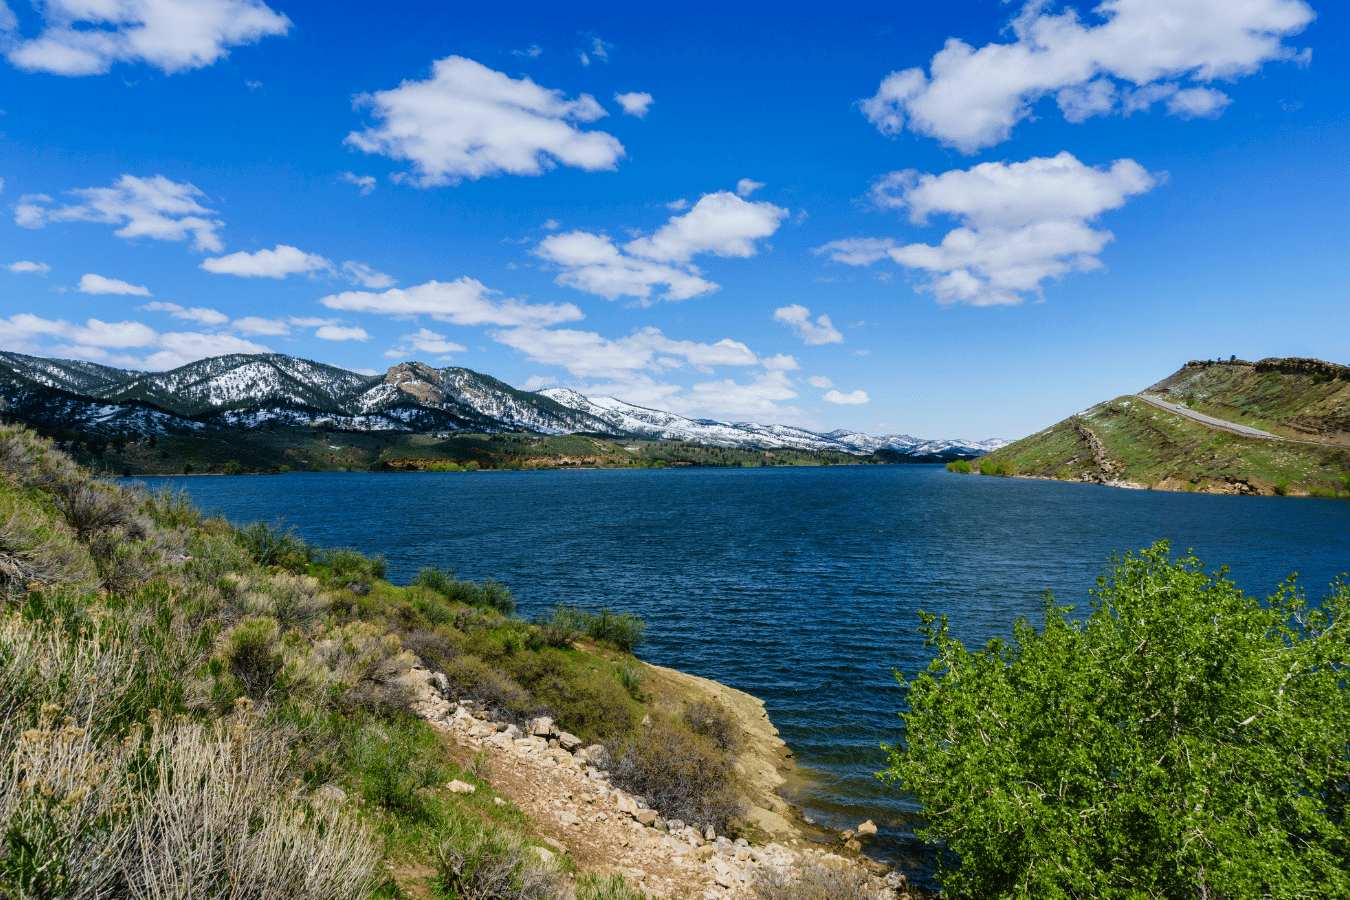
(799, 585)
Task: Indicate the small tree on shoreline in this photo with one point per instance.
(1185, 741)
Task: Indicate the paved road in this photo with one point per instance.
(1213, 422)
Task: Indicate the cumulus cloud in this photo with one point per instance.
(97, 284)
(758, 399)
(820, 381)
(278, 263)
(155, 208)
(588, 355)
(341, 333)
(592, 263)
(720, 224)
(24, 267)
(1138, 55)
(257, 325)
(537, 382)
(798, 317)
(745, 187)
(80, 37)
(1020, 223)
(464, 301)
(365, 182)
(469, 121)
(113, 342)
(424, 340)
(635, 103)
(364, 275)
(196, 314)
(853, 398)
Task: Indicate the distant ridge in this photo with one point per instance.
(248, 391)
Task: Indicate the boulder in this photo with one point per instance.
(331, 792)
(441, 683)
(646, 817)
(710, 834)
(853, 845)
(568, 741)
(545, 856)
(511, 731)
(540, 727)
(459, 787)
(868, 827)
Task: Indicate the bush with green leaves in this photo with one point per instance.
(1184, 741)
(562, 626)
(624, 631)
(272, 545)
(487, 594)
(475, 863)
(959, 465)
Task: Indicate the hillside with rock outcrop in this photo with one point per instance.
(1277, 426)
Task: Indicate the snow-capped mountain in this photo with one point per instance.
(266, 390)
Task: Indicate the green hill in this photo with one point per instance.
(1304, 405)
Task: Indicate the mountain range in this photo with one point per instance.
(247, 391)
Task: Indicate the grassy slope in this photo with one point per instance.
(167, 638)
(1165, 451)
(1302, 405)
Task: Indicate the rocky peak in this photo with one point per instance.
(419, 380)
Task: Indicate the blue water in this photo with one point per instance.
(798, 585)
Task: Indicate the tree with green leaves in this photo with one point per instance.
(1185, 741)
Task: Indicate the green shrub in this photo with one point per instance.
(477, 863)
(1183, 741)
(631, 679)
(562, 626)
(272, 545)
(684, 775)
(251, 653)
(232, 467)
(622, 630)
(611, 887)
(959, 465)
(396, 764)
(1282, 487)
(488, 594)
(1000, 467)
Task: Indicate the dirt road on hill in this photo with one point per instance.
(1220, 424)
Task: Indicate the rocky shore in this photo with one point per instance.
(564, 790)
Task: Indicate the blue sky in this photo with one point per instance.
(966, 219)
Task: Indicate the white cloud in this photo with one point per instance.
(97, 284)
(196, 314)
(593, 264)
(798, 317)
(721, 224)
(341, 333)
(278, 263)
(1020, 223)
(424, 341)
(853, 398)
(253, 85)
(635, 103)
(108, 342)
(468, 121)
(745, 187)
(820, 381)
(531, 51)
(364, 275)
(260, 326)
(23, 267)
(365, 182)
(154, 208)
(85, 37)
(463, 301)
(537, 382)
(588, 355)
(782, 362)
(759, 400)
(678, 205)
(1137, 56)
(600, 49)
